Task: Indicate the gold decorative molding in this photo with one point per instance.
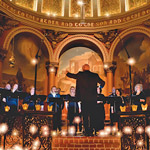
(106, 37)
(21, 29)
(137, 29)
(55, 37)
(37, 20)
(73, 38)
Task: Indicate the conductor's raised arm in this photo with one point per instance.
(71, 75)
(100, 81)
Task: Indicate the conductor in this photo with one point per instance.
(86, 91)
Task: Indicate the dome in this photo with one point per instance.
(75, 8)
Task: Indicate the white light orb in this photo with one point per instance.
(33, 129)
(127, 130)
(3, 128)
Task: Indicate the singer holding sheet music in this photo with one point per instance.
(86, 91)
(57, 108)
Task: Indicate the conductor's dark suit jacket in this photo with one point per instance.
(86, 85)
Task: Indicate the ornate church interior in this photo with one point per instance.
(42, 40)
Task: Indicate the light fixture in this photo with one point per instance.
(118, 134)
(34, 61)
(76, 15)
(127, 130)
(80, 2)
(140, 143)
(48, 13)
(139, 130)
(15, 132)
(106, 66)
(63, 133)
(17, 147)
(107, 129)
(52, 69)
(71, 130)
(131, 61)
(54, 133)
(77, 120)
(33, 129)
(107, 14)
(3, 128)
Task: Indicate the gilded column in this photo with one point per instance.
(2, 57)
(110, 70)
(52, 74)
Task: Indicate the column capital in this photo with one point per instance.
(3, 54)
(110, 66)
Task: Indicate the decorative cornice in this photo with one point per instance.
(123, 20)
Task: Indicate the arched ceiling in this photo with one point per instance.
(68, 16)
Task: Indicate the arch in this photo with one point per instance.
(137, 29)
(73, 38)
(21, 29)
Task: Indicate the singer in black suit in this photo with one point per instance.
(86, 91)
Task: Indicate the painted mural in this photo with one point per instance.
(24, 50)
(73, 60)
(138, 47)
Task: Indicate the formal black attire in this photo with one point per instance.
(73, 111)
(136, 99)
(86, 91)
(100, 116)
(57, 109)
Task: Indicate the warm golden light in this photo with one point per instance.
(17, 147)
(54, 14)
(15, 132)
(107, 129)
(114, 129)
(140, 143)
(76, 15)
(52, 69)
(7, 108)
(134, 107)
(33, 129)
(77, 120)
(106, 66)
(54, 133)
(107, 14)
(71, 130)
(131, 61)
(36, 144)
(118, 134)
(63, 133)
(1, 148)
(38, 107)
(48, 13)
(3, 128)
(140, 130)
(144, 107)
(45, 128)
(147, 130)
(25, 106)
(80, 2)
(34, 61)
(103, 133)
(127, 130)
